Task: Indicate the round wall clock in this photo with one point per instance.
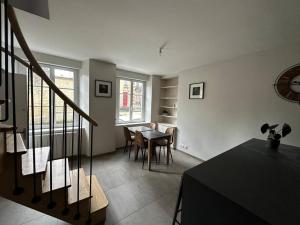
(287, 84)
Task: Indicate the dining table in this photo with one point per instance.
(151, 136)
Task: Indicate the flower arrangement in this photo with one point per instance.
(275, 136)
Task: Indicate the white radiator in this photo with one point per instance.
(58, 143)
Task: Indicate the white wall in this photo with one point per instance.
(21, 101)
(84, 103)
(103, 109)
(239, 98)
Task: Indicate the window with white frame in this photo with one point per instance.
(130, 101)
(66, 80)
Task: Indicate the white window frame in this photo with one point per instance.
(131, 98)
(76, 90)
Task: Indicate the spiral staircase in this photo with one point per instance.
(29, 173)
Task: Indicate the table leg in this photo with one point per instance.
(168, 151)
(149, 154)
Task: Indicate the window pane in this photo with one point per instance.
(37, 96)
(37, 116)
(68, 93)
(59, 115)
(124, 101)
(64, 78)
(137, 101)
(37, 79)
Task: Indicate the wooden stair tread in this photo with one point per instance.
(99, 200)
(58, 176)
(84, 188)
(41, 159)
(6, 127)
(21, 149)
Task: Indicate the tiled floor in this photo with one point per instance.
(135, 196)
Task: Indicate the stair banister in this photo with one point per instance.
(37, 68)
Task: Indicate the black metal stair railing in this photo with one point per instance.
(6, 43)
(32, 101)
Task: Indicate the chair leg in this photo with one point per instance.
(125, 148)
(159, 154)
(143, 155)
(129, 153)
(154, 151)
(130, 148)
(171, 155)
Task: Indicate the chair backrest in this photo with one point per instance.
(170, 131)
(139, 139)
(152, 126)
(127, 134)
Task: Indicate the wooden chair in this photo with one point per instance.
(152, 126)
(141, 144)
(164, 143)
(129, 139)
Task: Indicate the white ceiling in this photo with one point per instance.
(130, 32)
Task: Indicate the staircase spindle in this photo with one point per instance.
(81, 141)
(91, 172)
(1, 43)
(28, 115)
(17, 190)
(51, 203)
(6, 61)
(35, 198)
(41, 132)
(72, 155)
(65, 119)
(77, 216)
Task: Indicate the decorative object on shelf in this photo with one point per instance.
(287, 85)
(275, 136)
(103, 88)
(196, 91)
(165, 113)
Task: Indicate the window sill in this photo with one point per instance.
(131, 124)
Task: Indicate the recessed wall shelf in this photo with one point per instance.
(168, 98)
(167, 87)
(168, 116)
(167, 107)
(168, 101)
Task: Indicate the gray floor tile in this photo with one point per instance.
(136, 196)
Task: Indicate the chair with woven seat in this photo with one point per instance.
(129, 140)
(164, 143)
(152, 126)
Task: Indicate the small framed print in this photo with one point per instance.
(103, 88)
(196, 91)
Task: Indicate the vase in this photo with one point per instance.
(273, 144)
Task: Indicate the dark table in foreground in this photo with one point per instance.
(247, 185)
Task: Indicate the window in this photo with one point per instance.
(66, 80)
(130, 101)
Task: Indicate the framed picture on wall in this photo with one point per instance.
(196, 91)
(103, 88)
